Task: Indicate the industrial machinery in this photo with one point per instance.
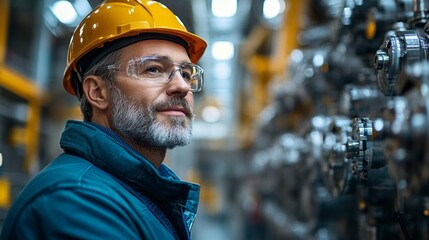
(360, 160)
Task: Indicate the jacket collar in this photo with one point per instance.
(105, 149)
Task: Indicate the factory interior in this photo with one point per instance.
(313, 122)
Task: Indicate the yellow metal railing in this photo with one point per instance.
(23, 87)
(5, 198)
(4, 17)
(264, 69)
(287, 38)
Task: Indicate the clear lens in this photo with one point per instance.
(162, 70)
(197, 79)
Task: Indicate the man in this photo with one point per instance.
(132, 65)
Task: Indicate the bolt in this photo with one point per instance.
(381, 59)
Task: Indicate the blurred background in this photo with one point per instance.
(312, 124)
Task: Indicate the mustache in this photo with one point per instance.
(174, 102)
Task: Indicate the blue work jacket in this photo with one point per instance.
(100, 188)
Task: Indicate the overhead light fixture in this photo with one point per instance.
(224, 8)
(64, 12)
(273, 8)
(223, 50)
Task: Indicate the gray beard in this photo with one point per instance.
(139, 124)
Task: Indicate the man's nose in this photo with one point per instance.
(177, 82)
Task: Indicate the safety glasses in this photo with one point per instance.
(161, 70)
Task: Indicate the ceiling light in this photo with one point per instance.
(273, 8)
(224, 8)
(64, 11)
(223, 50)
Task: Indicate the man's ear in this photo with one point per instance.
(96, 92)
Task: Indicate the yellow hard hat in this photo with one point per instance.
(122, 22)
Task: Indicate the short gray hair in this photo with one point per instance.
(107, 75)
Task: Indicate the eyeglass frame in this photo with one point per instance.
(176, 67)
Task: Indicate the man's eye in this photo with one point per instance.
(153, 70)
(187, 73)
